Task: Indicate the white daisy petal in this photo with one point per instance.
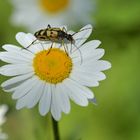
(31, 36)
(88, 56)
(88, 47)
(81, 36)
(55, 105)
(76, 97)
(15, 69)
(93, 44)
(20, 103)
(97, 54)
(63, 98)
(11, 90)
(78, 93)
(84, 79)
(13, 58)
(93, 66)
(45, 101)
(11, 48)
(26, 40)
(11, 82)
(37, 45)
(25, 87)
(81, 89)
(15, 49)
(30, 99)
(35, 94)
(99, 76)
(88, 51)
(88, 76)
(23, 39)
(102, 65)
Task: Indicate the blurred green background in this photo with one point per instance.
(117, 115)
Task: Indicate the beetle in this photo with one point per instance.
(57, 35)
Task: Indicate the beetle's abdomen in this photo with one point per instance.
(41, 35)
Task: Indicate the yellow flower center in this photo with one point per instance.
(54, 6)
(53, 67)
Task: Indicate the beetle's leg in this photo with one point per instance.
(63, 44)
(31, 43)
(67, 48)
(50, 48)
(29, 46)
(49, 26)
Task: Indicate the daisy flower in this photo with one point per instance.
(3, 110)
(52, 79)
(40, 13)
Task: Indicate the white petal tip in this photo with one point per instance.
(56, 119)
(42, 113)
(19, 35)
(14, 97)
(97, 42)
(67, 111)
(18, 107)
(4, 46)
(107, 65)
(88, 26)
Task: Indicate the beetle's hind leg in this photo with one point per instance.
(29, 46)
(31, 43)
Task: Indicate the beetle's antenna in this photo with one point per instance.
(81, 38)
(79, 53)
(80, 31)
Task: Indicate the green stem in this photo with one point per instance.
(55, 129)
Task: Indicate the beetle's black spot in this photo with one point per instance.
(42, 37)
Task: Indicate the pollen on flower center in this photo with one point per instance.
(54, 6)
(53, 67)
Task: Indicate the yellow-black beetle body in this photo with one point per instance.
(57, 35)
(54, 34)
